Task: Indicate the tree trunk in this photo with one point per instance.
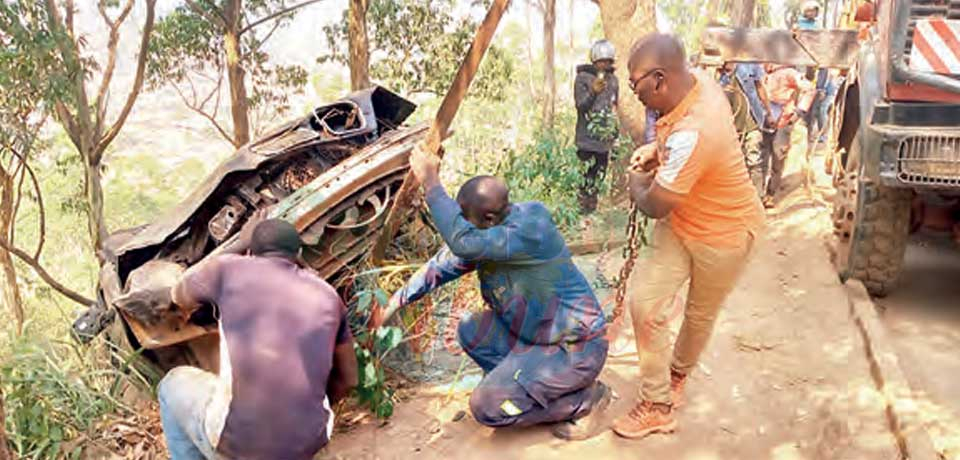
(743, 11)
(239, 104)
(530, 85)
(549, 75)
(95, 217)
(625, 21)
(359, 45)
(11, 292)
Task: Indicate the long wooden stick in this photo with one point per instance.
(441, 123)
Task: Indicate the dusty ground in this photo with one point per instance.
(784, 378)
(924, 324)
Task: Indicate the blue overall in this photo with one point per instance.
(541, 344)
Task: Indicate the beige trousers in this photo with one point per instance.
(712, 271)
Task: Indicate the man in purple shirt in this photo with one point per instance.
(286, 354)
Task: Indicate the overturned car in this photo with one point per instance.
(333, 174)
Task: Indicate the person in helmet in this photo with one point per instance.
(809, 15)
(595, 94)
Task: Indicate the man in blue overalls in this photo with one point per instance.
(541, 343)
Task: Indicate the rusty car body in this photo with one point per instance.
(332, 173)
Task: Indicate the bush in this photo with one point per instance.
(548, 170)
(57, 391)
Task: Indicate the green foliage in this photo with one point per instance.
(188, 49)
(57, 391)
(32, 73)
(603, 125)
(373, 390)
(549, 171)
(417, 45)
(689, 18)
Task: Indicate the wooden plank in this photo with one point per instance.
(823, 48)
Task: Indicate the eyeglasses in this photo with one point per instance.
(634, 83)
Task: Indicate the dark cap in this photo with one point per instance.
(275, 236)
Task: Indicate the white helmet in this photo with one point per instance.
(810, 5)
(601, 50)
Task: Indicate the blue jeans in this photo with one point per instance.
(184, 394)
(528, 384)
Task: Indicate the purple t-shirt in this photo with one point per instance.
(281, 324)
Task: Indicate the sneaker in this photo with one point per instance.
(645, 418)
(587, 425)
(677, 383)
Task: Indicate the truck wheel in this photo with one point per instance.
(872, 224)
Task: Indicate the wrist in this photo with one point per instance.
(430, 181)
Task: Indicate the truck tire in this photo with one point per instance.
(872, 223)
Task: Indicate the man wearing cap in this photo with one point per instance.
(595, 94)
(286, 355)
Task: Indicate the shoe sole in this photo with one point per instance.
(665, 429)
(592, 418)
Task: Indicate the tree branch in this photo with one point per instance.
(217, 18)
(215, 91)
(266, 37)
(34, 261)
(135, 91)
(42, 214)
(223, 132)
(275, 15)
(16, 204)
(44, 275)
(63, 113)
(112, 41)
(78, 125)
(41, 210)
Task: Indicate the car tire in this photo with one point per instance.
(872, 223)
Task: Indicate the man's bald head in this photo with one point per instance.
(484, 200)
(658, 72)
(658, 50)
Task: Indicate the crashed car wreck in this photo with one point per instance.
(332, 173)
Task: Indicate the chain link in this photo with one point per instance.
(636, 229)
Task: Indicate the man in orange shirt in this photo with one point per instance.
(786, 96)
(694, 180)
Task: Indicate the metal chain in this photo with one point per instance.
(601, 281)
(635, 238)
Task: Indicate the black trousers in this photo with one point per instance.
(592, 178)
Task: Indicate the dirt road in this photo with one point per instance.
(785, 377)
(923, 318)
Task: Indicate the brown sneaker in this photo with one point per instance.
(645, 418)
(677, 383)
(588, 425)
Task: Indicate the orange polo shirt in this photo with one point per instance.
(700, 158)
